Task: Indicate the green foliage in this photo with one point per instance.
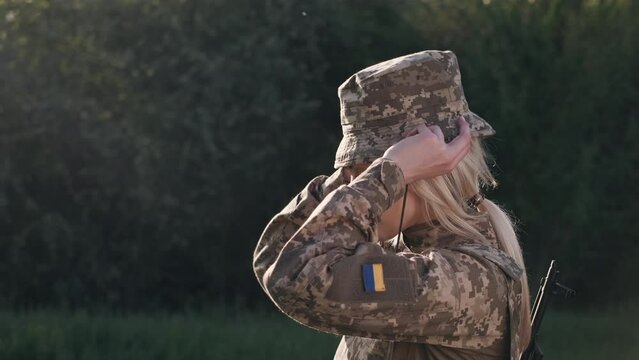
(146, 144)
(220, 334)
(134, 142)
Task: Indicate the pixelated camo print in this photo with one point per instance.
(460, 298)
(381, 103)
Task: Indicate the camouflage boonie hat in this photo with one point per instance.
(383, 102)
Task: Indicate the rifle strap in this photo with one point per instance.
(514, 285)
(401, 218)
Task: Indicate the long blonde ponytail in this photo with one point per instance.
(507, 238)
(444, 199)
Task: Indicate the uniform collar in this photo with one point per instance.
(428, 235)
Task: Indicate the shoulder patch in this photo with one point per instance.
(372, 278)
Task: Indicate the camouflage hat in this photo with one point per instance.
(384, 101)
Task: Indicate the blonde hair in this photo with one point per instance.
(444, 199)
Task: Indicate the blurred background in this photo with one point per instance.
(145, 145)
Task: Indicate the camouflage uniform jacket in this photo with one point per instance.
(445, 297)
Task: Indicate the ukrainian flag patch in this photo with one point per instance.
(373, 275)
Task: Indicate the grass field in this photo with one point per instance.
(222, 334)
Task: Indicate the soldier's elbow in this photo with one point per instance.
(275, 286)
(280, 289)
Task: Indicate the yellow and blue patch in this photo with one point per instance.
(373, 275)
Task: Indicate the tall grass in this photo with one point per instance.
(211, 335)
(218, 334)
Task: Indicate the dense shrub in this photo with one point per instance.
(145, 144)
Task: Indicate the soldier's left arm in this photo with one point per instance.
(319, 276)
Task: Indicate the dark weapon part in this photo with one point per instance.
(548, 286)
(401, 218)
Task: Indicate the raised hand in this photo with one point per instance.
(424, 153)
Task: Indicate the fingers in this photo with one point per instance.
(410, 133)
(437, 131)
(441, 157)
(462, 141)
(423, 129)
(464, 127)
(455, 150)
(460, 146)
(434, 129)
(459, 156)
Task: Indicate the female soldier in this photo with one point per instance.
(455, 287)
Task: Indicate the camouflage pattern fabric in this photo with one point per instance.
(286, 222)
(384, 101)
(454, 298)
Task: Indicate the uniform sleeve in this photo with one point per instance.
(320, 276)
(283, 225)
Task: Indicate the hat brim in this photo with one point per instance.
(369, 144)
